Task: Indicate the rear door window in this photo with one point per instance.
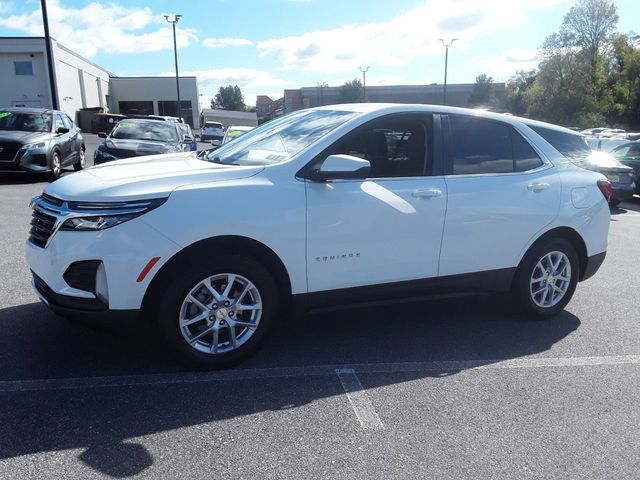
(482, 146)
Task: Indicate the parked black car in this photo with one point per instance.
(136, 137)
(39, 140)
(629, 155)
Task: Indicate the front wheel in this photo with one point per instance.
(56, 166)
(547, 277)
(216, 313)
(80, 164)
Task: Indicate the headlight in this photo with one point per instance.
(32, 146)
(96, 223)
(100, 216)
(103, 154)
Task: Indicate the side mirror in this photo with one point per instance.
(102, 134)
(62, 130)
(216, 143)
(337, 167)
(187, 139)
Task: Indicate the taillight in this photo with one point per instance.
(605, 188)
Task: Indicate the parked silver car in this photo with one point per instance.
(39, 140)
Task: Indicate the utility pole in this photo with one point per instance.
(47, 43)
(446, 61)
(173, 19)
(364, 81)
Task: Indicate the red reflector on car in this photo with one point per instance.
(605, 188)
(147, 268)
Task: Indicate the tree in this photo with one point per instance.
(590, 24)
(351, 92)
(229, 98)
(516, 89)
(482, 93)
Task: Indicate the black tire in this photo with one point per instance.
(167, 307)
(55, 172)
(79, 165)
(522, 279)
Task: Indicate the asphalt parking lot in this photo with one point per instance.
(454, 389)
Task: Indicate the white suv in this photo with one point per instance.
(330, 206)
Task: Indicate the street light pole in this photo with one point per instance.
(364, 81)
(47, 43)
(173, 19)
(446, 62)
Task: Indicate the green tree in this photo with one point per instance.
(482, 93)
(516, 89)
(229, 98)
(589, 24)
(351, 92)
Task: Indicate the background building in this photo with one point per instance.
(229, 117)
(308, 97)
(81, 84)
(155, 96)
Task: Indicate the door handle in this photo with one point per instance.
(426, 193)
(538, 187)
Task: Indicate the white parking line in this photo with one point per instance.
(359, 400)
(319, 370)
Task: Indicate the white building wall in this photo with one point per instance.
(78, 80)
(27, 90)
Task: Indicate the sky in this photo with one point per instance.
(265, 46)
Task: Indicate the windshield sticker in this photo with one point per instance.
(4, 114)
(126, 125)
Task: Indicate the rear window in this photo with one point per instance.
(572, 146)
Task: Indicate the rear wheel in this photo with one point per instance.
(216, 313)
(547, 277)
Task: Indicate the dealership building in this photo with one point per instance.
(81, 84)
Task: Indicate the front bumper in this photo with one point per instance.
(123, 250)
(31, 161)
(73, 307)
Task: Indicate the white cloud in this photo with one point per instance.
(225, 42)
(503, 66)
(107, 27)
(396, 41)
(243, 77)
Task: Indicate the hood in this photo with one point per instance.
(140, 147)
(23, 137)
(143, 177)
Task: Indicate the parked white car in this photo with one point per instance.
(329, 206)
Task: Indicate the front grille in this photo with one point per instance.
(41, 228)
(123, 153)
(9, 150)
(52, 200)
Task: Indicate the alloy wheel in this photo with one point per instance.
(550, 279)
(220, 313)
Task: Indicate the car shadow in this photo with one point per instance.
(630, 205)
(103, 421)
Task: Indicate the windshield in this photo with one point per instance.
(25, 122)
(572, 146)
(280, 139)
(155, 131)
